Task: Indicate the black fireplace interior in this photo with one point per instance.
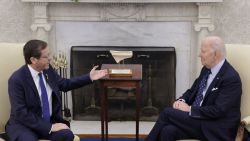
(157, 85)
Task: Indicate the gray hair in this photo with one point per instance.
(218, 45)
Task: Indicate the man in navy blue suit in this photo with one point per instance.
(33, 116)
(210, 109)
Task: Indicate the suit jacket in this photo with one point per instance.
(219, 113)
(26, 110)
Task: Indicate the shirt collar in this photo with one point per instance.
(33, 72)
(216, 68)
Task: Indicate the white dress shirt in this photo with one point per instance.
(214, 71)
(35, 77)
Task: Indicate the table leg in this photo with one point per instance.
(138, 99)
(102, 111)
(106, 113)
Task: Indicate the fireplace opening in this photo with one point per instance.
(158, 85)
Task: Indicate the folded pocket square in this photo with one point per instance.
(214, 89)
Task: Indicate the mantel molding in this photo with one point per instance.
(126, 1)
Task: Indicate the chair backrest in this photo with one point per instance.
(11, 58)
(239, 56)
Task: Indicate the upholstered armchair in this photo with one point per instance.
(238, 56)
(11, 59)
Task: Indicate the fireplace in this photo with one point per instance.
(157, 85)
(178, 23)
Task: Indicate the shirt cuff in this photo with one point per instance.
(190, 111)
(51, 129)
(182, 100)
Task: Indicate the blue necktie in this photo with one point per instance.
(45, 101)
(202, 86)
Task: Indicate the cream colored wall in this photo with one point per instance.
(11, 59)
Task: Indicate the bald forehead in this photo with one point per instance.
(214, 43)
(213, 40)
(206, 43)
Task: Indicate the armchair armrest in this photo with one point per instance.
(245, 121)
(1, 127)
(76, 138)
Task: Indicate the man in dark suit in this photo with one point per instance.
(35, 100)
(210, 109)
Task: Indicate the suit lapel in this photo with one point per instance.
(51, 83)
(31, 81)
(216, 79)
(49, 80)
(46, 75)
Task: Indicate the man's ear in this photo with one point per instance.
(33, 60)
(217, 54)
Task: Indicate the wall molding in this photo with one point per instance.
(126, 1)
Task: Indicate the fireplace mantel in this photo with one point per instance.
(120, 10)
(127, 1)
(52, 20)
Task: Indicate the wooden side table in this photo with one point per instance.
(119, 82)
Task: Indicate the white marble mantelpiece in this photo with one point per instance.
(47, 15)
(126, 1)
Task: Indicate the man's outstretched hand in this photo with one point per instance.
(97, 74)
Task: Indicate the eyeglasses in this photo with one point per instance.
(45, 57)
